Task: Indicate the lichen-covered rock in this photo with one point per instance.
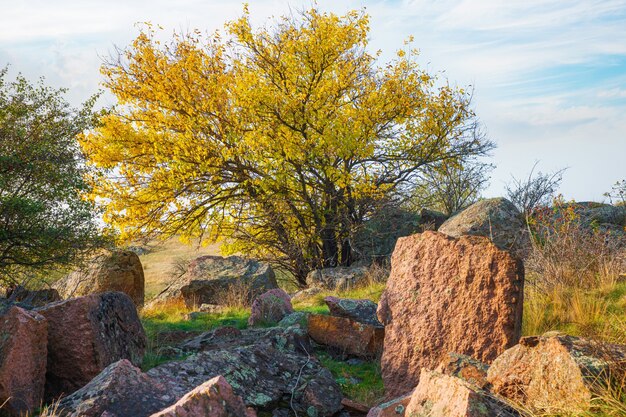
(447, 295)
(466, 368)
(23, 344)
(393, 408)
(292, 339)
(297, 318)
(347, 336)
(213, 398)
(439, 395)
(110, 271)
(212, 279)
(362, 311)
(553, 373)
(495, 218)
(264, 375)
(120, 390)
(375, 239)
(32, 298)
(270, 307)
(592, 213)
(338, 278)
(87, 334)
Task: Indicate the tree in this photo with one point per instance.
(44, 220)
(280, 139)
(617, 195)
(450, 188)
(538, 189)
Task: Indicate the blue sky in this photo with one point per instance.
(549, 77)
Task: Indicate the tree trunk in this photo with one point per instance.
(346, 253)
(330, 248)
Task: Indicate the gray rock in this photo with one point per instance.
(212, 279)
(599, 213)
(361, 311)
(376, 238)
(341, 277)
(304, 294)
(431, 219)
(495, 218)
(121, 390)
(262, 374)
(292, 339)
(299, 318)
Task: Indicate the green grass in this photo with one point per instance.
(171, 318)
(360, 382)
(373, 291)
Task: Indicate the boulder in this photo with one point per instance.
(393, 408)
(270, 307)
(338, 278)
(299, 318)
(439, 395)
(265, 375)
(292, 339)
(362, 311)
(32, 298)
(110, 271)
(305, 294)
(495, 218)
(598, 213)
(375, 239)
(466, 368)
(354, 408)
(23, 341)
(120, 390)
(87, 334)
(215, 279)
(213, 398)
(447, 295)
(431, 219)
(348, 336)
(554, 373)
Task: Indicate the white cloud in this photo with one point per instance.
(613, 93)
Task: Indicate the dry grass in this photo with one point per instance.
(163, 256)
(568, 254)
(237, 296)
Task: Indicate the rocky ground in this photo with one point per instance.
(441, 335)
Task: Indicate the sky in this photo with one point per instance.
(549, 77)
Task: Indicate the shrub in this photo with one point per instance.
(569, 253)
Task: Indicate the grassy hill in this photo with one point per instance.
(161, 257)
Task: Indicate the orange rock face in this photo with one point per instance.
(393, 408)
(554, 374)
(213, 398)
(23, 339)
(447, 295)
(439, 395)
(346, 335)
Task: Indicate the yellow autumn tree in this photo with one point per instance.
(282, 139)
